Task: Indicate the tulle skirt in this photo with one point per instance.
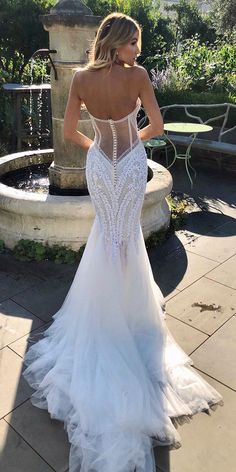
(109, 368)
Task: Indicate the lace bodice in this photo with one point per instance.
(116, 174)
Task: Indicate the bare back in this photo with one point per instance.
(109, 95)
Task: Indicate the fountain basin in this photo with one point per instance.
(67, 220)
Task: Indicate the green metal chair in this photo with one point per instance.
(157, 142)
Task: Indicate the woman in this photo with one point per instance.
(108, 366)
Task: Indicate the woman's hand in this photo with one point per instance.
(72, 116)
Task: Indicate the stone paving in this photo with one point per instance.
(196, 270)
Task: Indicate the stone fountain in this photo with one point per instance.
(65, 215)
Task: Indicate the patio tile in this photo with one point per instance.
(10, 265)
(223, 203)
(199, 223)
(180, 269)
(14, 390)
(43, 270)
(208, 442)
(49, 269)
(187, 337)
(15, 321)
(216, 356)
(184, 236)
(229, 210)
(45, 435)
(158, 253)
(12, 285)
(21, 345)
(16, 455)
(224, 273)
(202, 222)
(218, 245)
(68, 276)
(205, 305)
(45, 299)
(210, 183)
(172, 294)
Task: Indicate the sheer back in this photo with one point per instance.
(116, 138)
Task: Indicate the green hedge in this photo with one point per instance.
(169, 97)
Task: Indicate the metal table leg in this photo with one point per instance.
(186, 156)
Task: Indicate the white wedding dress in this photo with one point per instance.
(107, 366)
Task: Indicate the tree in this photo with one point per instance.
(21, 33)
(224, 17)
(189, 21)
(156, 31)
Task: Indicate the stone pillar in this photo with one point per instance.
(72, 27)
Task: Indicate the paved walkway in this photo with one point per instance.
(196, 270)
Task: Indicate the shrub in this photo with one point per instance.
(27, 250)
(198, 68)
(189, 20)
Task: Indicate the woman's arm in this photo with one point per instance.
(149, 102)
(72, 116)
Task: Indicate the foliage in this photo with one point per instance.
(177, 207)
(156, 30)
(6, 123)
(166, 78)
(27, 250)
(224, 18)
(205, 66)
(3, 149)
(188, 60)
(189, 21)
(198, 67)
(155, 238)
(21, 33)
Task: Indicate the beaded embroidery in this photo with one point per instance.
(117, 182)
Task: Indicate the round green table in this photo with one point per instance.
(193, 129)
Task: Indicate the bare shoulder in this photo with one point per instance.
(80, 79)
(140, 72)
(79, 74)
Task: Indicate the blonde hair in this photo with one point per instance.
(115, 30)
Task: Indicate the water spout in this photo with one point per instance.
(45, 54)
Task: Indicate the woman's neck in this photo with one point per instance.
(119, 63)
